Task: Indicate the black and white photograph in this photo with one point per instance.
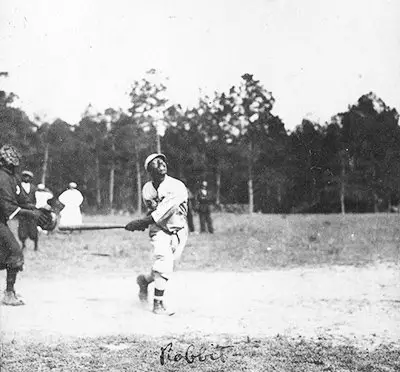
(193, 185)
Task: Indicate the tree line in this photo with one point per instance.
(231, 139)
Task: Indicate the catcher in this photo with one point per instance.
(166, 200)
(12, 205)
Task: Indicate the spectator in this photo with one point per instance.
(204, 201)
(72, 200)
(27, 226)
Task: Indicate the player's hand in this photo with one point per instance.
(136, 225)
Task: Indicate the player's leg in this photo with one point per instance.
(36, 242)
(22, 236)
(202, 222)
(12, 259)
(34, 234)
(190, 220)
(143, 282)
(160, 284)
(179, 241)
(162, 269)
(209, 223)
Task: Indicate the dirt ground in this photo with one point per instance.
(340, 302)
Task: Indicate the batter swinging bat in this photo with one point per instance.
(86, 227)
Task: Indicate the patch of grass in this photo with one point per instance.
(143, 354)
(241, 242)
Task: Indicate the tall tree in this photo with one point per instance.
(251, 107)
(92, 133)
(147, 106)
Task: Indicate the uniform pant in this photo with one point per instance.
(11, 255)
(206, 221)
(190, 220)
(27, 228)
(166, 247)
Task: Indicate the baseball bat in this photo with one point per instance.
(87, 227)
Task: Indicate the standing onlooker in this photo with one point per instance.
(72, 200)
(190, 211)
(27, 226)
(204, 200)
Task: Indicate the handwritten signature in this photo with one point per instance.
(191, 355)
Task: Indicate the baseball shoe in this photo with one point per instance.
(143, 285)
(160, 309)
(11, 299)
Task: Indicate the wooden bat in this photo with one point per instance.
(90, 226)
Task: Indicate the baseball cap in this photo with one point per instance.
(40, 186)
(151, 157)
(27, 173)
(72, 185)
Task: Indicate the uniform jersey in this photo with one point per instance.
(29, 191)
(167, 204)
(10, 196)
(11, 255)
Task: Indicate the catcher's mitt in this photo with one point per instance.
(48, 220)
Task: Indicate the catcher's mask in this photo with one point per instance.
(9, 156)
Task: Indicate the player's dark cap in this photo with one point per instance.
(10, 156)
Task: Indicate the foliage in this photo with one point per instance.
(229, 138)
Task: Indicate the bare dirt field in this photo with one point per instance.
(360, 304)
(323, 295)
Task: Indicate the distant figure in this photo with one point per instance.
(43, 195)
(190, 211)
(27, 225)
(203, 202)
(72, 199)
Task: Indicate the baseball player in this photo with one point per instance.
(27, 227)
(166, 201)
(12, 204)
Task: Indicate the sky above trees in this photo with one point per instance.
(316, 57)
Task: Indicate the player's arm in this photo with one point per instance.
(12, 208)
(171, 204)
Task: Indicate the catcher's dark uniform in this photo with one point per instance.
(11, 255)
(27, 227)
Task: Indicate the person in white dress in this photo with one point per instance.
(72, 199)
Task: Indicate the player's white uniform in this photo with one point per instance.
(169, 233)
(71, 214)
